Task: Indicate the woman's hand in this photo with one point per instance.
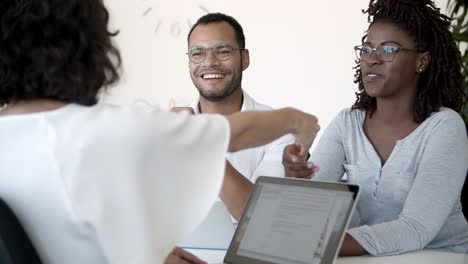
(296, 164)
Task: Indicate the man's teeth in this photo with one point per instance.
(372, 75)
(213, 76)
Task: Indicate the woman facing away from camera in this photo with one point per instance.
(402, 141)
(84, 179)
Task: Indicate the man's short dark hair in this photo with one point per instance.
(219, 17)
(55, 49)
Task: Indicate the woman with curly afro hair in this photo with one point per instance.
(96, 183)
(402, 141)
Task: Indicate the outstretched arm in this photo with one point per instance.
(251, 129)
(256, 128)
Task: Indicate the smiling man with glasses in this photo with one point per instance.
(217, 58)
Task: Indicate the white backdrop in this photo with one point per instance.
(301, 50)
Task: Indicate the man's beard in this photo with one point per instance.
(229, 89)
(219, 96)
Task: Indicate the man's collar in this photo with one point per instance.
(195, 105)
(247, 103)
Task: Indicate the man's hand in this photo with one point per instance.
(180, 256)
(182, 109)
(295, 162)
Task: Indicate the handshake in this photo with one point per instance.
(304, 127)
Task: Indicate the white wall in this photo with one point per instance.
(301, 50)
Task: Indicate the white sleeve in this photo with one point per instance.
(147, 179)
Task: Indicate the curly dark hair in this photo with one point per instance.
(55, 49)
(442, 82)
(219, 17)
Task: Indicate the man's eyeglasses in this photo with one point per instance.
(384, 52)
(221, 52)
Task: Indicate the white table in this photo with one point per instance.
(419, 257)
